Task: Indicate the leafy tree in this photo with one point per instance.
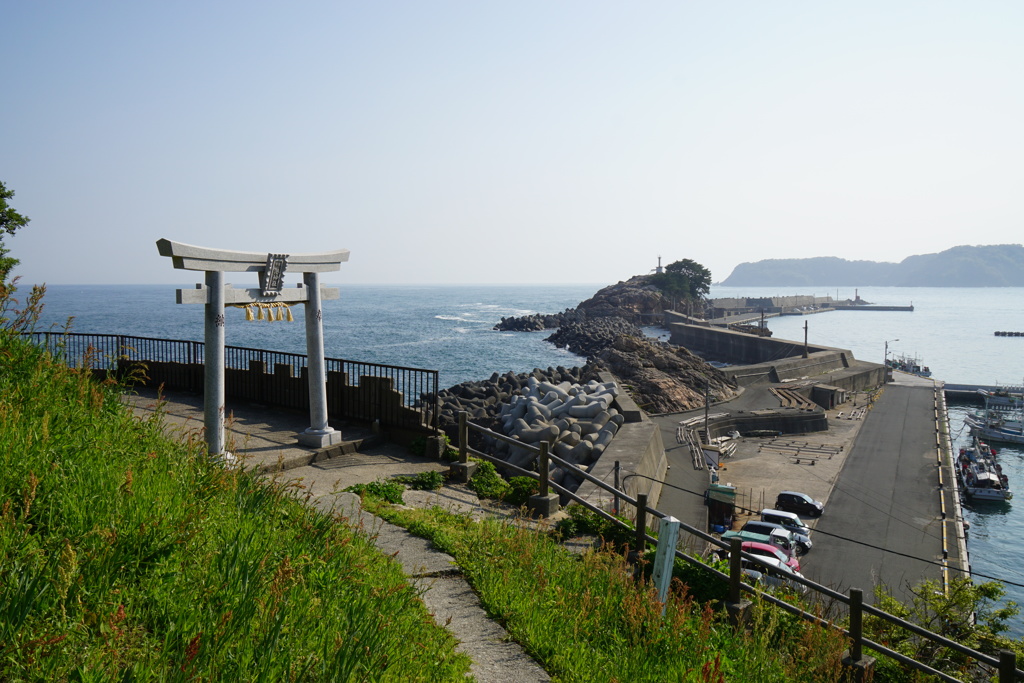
(685, 279)
(10, 221)
(967, 613)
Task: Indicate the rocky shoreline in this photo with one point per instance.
(659, 377)
(571, 409)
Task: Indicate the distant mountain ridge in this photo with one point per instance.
(997, 265)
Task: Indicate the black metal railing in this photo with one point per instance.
(394, 395)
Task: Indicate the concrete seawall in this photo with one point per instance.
(766, 360)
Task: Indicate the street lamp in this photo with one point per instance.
(887, 350)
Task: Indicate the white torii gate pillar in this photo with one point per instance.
(216, 295)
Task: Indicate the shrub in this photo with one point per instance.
(487, 483)
(390, 491)
(424, 481)
(582, 521)
(520, 490)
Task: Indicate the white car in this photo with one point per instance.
(773, 573)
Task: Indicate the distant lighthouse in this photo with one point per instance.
(659, 270)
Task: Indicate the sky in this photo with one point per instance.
(528, 142)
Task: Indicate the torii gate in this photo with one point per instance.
(271, 269)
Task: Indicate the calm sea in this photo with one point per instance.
(448, 328)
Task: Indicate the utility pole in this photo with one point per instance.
(707, 403)
(805, 339)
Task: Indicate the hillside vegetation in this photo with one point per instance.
(999, 265)
(128, 556)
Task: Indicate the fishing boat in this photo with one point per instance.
(909, 364)
(1002, 419)
(981, 477)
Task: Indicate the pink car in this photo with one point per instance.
(755, 548)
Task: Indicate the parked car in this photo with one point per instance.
(782, 540)
(800, 503)
(790, 520)
(773, 573)
(801, 543)
(766, 550)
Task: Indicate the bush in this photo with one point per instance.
(584, 521)
(424, 481)
(487, 483)
(520, 490)
(390, 491)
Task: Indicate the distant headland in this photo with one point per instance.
(998, 265)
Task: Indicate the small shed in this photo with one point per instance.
(828, 396)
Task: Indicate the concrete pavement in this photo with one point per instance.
(876, 469)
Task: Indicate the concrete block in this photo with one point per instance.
(543, 506)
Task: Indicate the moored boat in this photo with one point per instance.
(909, 364)
(1002, 419)
(981, 477)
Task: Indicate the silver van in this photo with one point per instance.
(790, 520)
(802, 543)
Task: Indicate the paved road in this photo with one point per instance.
(886, 495)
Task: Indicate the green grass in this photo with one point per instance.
(585, 619)
(128, 556)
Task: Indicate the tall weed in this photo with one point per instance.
(127, 555)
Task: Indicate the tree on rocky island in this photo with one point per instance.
(10, 221)
(685, 279)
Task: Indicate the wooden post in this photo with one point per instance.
(640, 539)
(736, 606)
(543, 465)
(856, 623)
(615, 503)
(1007, 666)
(463, 470)
(861, 667)
(463, 437)
(545, 503)
(735, 570)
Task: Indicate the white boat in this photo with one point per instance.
(981, 477)
(1002, 419)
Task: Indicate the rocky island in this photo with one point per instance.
(659, 377)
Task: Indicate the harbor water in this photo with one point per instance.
(449, 328)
